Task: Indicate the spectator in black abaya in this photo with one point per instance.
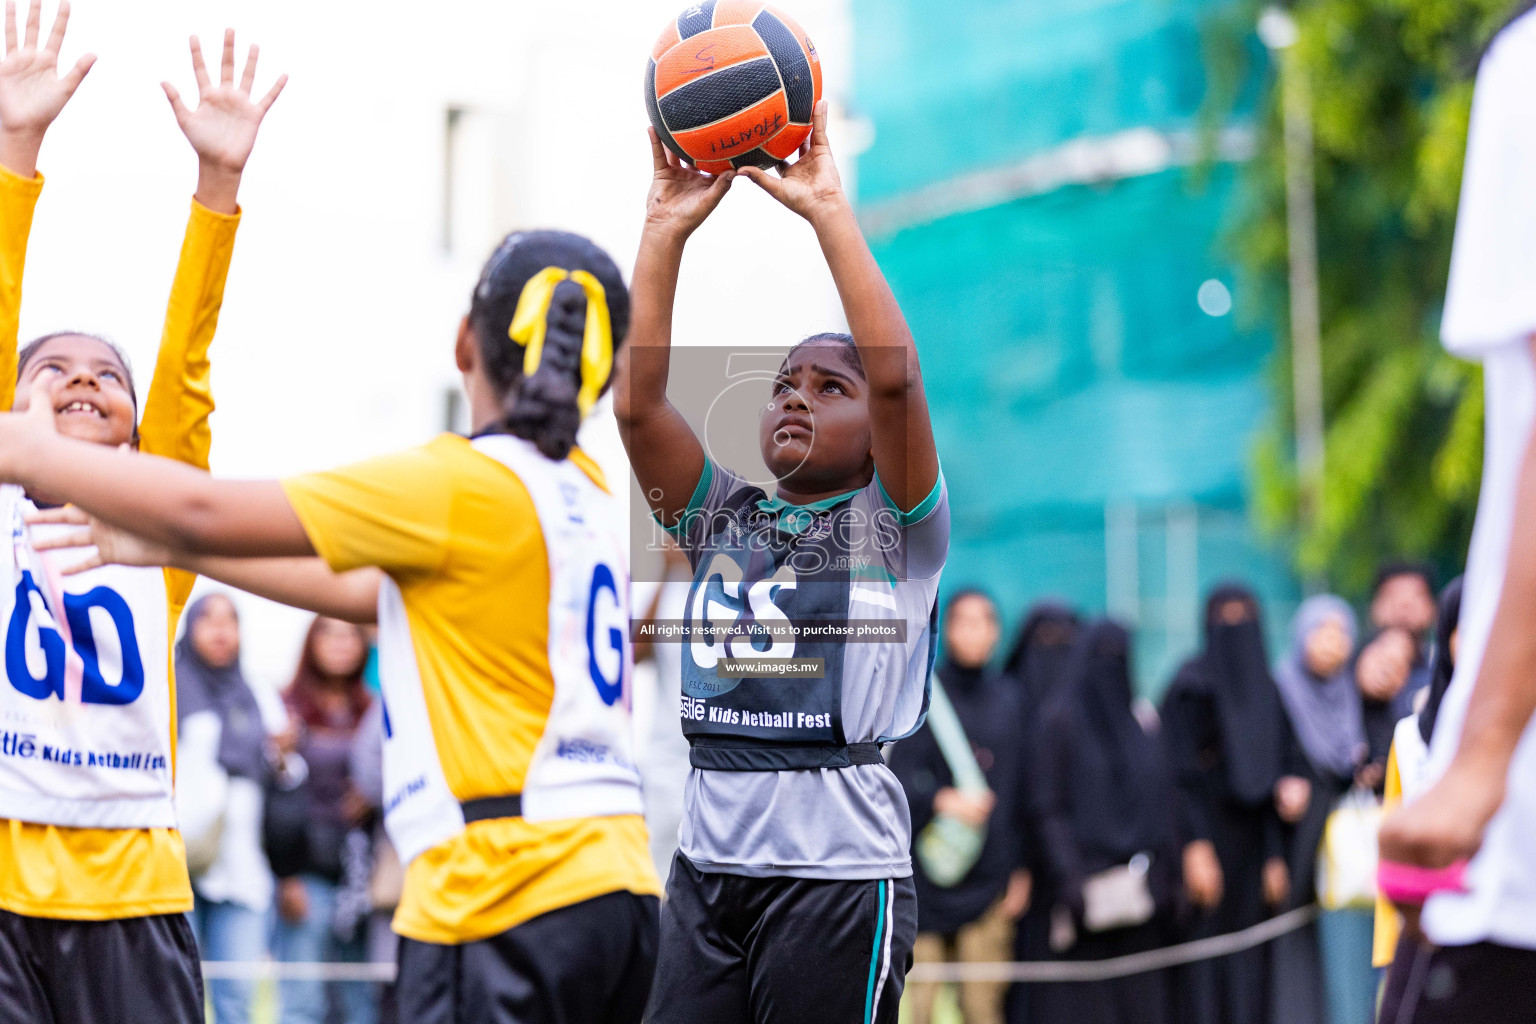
(1036, 664)
(1229, 743)
(1039, 652)
(1105, 803)
(972, 920)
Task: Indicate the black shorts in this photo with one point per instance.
(739, 950)
(589, 963)
(138, 969)
(1481, 983)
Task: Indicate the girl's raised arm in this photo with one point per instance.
(905, 456)
(32, 93)
(667, 458)
(222, 131)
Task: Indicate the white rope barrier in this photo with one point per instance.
(1120, 966)
(1032, 971)
(265, 970)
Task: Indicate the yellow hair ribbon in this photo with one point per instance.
(531, 321)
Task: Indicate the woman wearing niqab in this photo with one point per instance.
(1106, 800)
(1229, 745)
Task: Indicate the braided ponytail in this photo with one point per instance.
(543, 408)
(547, 406)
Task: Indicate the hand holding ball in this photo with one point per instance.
(732, 84)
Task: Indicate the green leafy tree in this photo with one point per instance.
(1391, 84)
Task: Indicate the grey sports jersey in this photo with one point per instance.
(835, 823)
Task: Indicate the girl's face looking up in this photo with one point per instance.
(92, 397)
(814, 432)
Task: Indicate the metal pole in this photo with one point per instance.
(1278, 31)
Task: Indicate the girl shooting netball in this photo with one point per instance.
(791, 898)
(93, 878)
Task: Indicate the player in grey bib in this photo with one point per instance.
(807, 638)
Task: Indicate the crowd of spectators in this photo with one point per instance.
(1112, 826)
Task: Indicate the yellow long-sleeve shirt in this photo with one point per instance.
(105, 874)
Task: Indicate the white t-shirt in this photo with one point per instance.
(1490, 315)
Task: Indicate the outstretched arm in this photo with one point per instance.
(306, 583)
(668, 459)
(162, 501)
(904, 451)
(32, 93)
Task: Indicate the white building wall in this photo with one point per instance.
(336, 337)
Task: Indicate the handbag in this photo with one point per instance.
(1119, 897)
(1346, 859)
(201, 793)
(947, 847)
(285, 819)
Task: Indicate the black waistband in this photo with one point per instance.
(490, 807)
(774, 758)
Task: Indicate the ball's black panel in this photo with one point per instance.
(756, 158)
(720, 94)
(696, 19)
(799, 86)
(655, 114)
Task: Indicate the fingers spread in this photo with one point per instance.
(66, 515)
(60, 21)
(819, 125)
(249, 78)
(34, 22)
(65, 541)
(199, 68)
(177, 107)
(658, 152)
(227, 64)
(273, 93)
(10, 26)
(76, 74)
(93, 562)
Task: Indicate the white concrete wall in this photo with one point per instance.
(335, 341)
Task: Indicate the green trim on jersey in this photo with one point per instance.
(923, 508)
(695, 501)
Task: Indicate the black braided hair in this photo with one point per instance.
(30, 351)
(851, 350)
(542, 408)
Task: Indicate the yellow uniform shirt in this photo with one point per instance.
(458, 533)
(1389, 923)
(105, 874)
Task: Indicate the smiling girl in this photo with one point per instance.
(93, 878)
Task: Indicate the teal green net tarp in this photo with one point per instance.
(1093, 422)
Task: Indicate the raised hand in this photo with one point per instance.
(811, 184)
(681, 197)
(223, 128)
(112, 546)
(32, 92)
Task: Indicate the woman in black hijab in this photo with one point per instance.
(1039, 652)
(1106, 803)
(1230, 746)
(1036, 664)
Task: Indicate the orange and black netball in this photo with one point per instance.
(732, 84)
